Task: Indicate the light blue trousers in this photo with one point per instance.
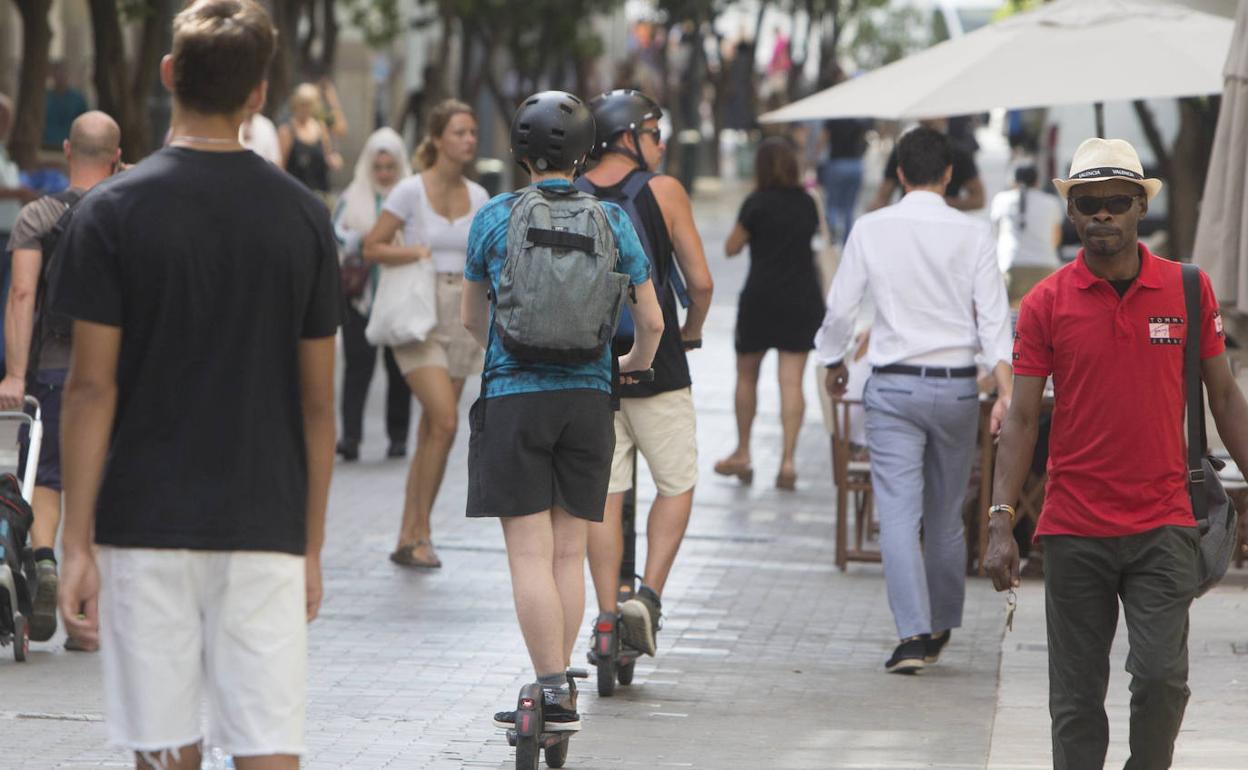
(921, 434)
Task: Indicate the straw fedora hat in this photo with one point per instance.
(1099, 159)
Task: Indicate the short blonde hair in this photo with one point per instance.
(221, 52)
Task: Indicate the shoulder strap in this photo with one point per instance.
(1196, 438)
(636, 182)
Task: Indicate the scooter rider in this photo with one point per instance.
(541, 441)
(655, 418)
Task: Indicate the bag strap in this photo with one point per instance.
(636, 182)
(1196, 438)
(560, 239)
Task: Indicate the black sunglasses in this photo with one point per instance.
(1114, 204)
(656, 133)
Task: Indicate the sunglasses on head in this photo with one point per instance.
(1114, 204)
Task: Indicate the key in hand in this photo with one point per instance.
(1011, 604)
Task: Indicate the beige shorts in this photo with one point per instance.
(665, 432)
(449, 346)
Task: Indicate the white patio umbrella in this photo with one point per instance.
(1066, 52)
(1222, 235)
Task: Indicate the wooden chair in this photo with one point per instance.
(853, 487)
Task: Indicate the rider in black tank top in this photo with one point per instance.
(671, 367)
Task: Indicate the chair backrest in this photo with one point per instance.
(839, 413)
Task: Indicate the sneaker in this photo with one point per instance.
(934, 644)
(909, 657)
(640, 620)
(349, 449)
(43, 606)
(558, 710)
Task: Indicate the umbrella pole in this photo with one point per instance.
(1100, 119)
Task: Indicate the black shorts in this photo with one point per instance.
(47, 388)
(529, 452)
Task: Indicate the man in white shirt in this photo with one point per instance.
(939, 299)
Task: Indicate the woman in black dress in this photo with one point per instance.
(780, 306)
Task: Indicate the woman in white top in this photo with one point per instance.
(382, 164)
(434, 210)
(1029, 230)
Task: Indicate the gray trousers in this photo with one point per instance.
(921, 434)
(1154, 573)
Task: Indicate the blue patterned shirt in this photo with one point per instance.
(487, 251)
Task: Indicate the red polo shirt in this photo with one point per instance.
(1117, 449)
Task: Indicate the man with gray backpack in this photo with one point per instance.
(655, 418)
(549, 270)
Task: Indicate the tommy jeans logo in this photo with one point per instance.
(1165, 330)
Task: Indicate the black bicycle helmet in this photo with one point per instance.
(622, 111)
(551, 131)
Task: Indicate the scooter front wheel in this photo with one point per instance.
(606, 677)
(557, 753)
(21, 638)
(625, 673)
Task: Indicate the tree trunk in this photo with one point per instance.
(282, 73)
(1190, 163)
(32, 77)
(146, 75)
(112, 92)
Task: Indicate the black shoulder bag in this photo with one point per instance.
(1215, 516)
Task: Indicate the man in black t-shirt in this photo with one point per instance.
(965, 190)
(203, 284)
(657, 418)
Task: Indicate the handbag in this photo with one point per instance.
(405, 307)
(1216, 518)
(354, 272)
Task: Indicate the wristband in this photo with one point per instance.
(1003, 508)
(835, 364)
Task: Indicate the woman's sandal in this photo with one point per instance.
(743, 471)
(405, 556)
(786, 480)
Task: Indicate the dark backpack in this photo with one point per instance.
(665, 282)
(50, 325)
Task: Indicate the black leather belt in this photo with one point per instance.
(927, 371)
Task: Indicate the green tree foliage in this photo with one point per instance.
(543, 43)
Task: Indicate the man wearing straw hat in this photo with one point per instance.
(1117, 524)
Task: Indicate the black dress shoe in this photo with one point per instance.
(397, 449)
(934, 644)
(909, 657)
(350, 450)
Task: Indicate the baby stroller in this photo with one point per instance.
(16, 516)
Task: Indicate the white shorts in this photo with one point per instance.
(665, 432)
(177, 625)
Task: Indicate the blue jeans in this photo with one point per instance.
(842, 180)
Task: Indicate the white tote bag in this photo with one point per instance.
(405, 308)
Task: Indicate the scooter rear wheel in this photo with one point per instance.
(625, 673)
(528, 752)
(606, 677)
(557, 754)
(21, 638)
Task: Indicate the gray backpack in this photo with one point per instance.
(559, 297)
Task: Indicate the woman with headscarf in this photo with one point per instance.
(382, 164)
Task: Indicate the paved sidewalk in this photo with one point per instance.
(769, 658)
